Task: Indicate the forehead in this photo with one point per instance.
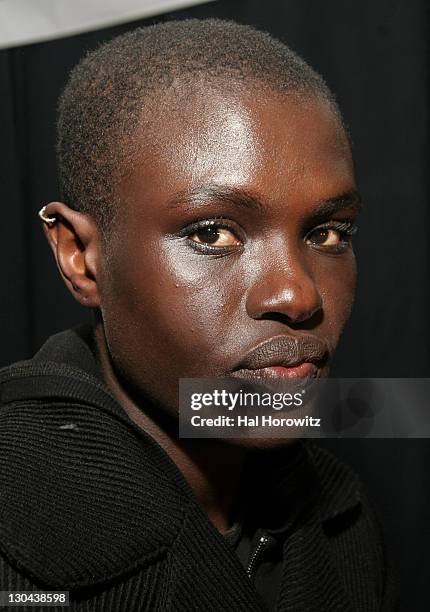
(280, 146)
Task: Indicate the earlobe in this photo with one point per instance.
(74, 239)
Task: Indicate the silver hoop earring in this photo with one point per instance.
(45, 218)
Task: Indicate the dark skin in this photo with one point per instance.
(274, 176)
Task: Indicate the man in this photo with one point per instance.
(208, 207)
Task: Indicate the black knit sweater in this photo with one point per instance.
(89, 503)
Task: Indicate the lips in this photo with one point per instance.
(283, 357)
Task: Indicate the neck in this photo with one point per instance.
(211, 467)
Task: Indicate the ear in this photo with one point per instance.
(75, 241)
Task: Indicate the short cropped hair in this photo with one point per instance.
(101, 106)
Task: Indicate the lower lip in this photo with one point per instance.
(304, 370)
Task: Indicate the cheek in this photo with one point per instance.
(173, 305)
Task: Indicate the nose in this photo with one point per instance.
(285, 287)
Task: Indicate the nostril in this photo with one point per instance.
(304, 321)
(314, 317)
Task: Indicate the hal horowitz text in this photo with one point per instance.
(255, 421)
(270, 421)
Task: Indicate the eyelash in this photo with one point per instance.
(346, 229)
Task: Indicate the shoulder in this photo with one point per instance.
(352, 530)
(80, 488)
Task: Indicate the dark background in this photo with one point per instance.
(374, 55)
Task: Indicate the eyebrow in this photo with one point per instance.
(229, 195)
(350, 199)
(242, 198)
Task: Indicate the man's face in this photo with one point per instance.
(234, 232)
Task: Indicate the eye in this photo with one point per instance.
(213, 234)
(325, 237)
(334, 236)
